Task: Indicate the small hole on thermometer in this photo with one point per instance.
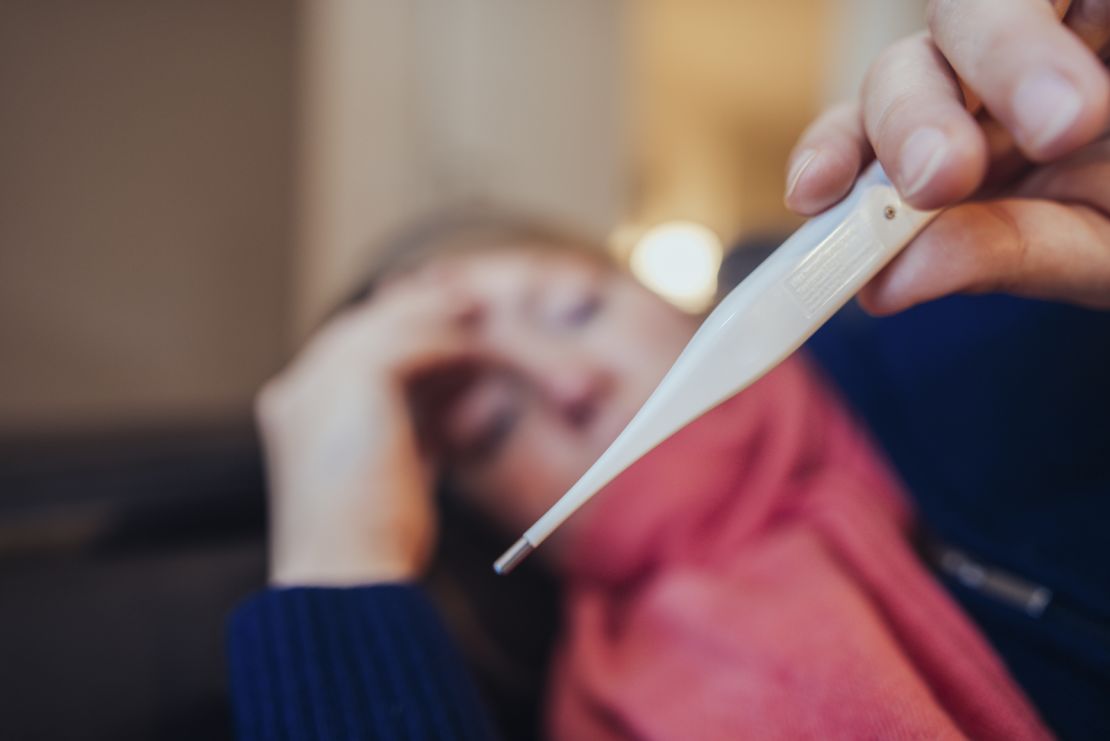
(889, 212)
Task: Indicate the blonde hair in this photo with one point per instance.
(471, 231)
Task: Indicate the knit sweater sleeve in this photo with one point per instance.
(348, 663)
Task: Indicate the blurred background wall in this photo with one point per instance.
(496, 102)
(185, 187)
(145, 200)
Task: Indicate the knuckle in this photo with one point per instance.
(887, 120)
(899, 84)
(268, 401)
(835, 122)
(996, 45)
(1004, 254)
(845, 112)
(900, 59)
(936, 11)
(331, 341)
(881, 72)
(944, 15)
(340, 328)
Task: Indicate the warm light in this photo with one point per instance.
(679, 260)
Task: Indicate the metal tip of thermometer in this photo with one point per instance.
(757, 326)
(510, 558)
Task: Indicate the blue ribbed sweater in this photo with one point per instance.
(358, 663)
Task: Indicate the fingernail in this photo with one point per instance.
(1046, 106)
(798, 169)
(921, 156)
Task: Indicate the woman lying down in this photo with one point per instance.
(752, 578)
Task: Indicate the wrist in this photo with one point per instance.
(318, 573)
(341, 561)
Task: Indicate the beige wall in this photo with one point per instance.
(186, 187)
(144, 198)
(720, 91)
(413, 105)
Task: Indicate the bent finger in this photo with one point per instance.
(1032, 73)
(913, 111)
(826, 160)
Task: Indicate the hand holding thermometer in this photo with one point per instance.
(757, 326)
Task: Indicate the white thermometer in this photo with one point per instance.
(757, 326)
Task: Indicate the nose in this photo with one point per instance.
(572, 386)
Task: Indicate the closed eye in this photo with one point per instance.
(582, 311)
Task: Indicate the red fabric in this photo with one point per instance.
(752, 578)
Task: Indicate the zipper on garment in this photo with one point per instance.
(1005, 587)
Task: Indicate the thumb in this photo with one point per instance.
(1033, 248)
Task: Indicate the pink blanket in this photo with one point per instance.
(752, 578)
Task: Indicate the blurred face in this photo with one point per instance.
(576, 347)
